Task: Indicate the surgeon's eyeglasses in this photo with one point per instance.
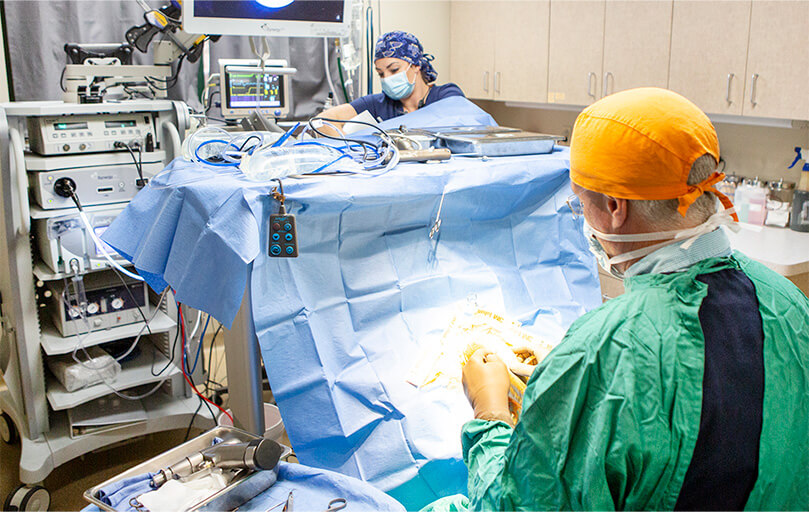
(574, 203)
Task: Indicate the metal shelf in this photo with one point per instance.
(44, 273)
(54, 343)
(38, 163)
(133, 373)
(56, 447)
(37, 212)
(58, 108)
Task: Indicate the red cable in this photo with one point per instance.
(182, 367)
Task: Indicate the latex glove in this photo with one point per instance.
(486, 384)
(524, 369)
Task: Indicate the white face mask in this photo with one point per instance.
(688, 236)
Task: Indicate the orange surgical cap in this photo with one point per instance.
(641, 144)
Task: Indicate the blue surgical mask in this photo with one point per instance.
(685, 236)
(603, 259)
(398, 86)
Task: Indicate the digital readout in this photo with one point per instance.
(69, 126)
(119, 124)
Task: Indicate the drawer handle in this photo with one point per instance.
(753, 89)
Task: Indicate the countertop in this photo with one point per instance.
(781, 249)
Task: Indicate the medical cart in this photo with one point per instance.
(42, 143)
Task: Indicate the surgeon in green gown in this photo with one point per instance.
(689, 391)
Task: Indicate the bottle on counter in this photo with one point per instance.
(729, 185)
(800, 200)
(779, 203)
(751, 201)
(800, 203)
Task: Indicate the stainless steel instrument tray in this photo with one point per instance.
(500, 143)
(241, 490)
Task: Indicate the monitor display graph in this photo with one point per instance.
(249, 90)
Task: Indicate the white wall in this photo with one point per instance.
(428, 20)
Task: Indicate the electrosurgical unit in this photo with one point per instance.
(110, 303)
(59, 135)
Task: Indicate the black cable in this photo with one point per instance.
(62, 79)
(134, 158)
(342, 139)
(171, 357)
(210, 411)
(210, 358)
(133, 92)
(169, 82)
(210, 100)
(193, 417)
(248, 140)
(376, 127)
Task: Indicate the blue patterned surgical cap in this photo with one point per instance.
(405, 46)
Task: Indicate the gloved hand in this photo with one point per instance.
(486, 384)
(528, 361)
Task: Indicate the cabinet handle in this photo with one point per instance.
(753, 81)
(607, 76)
(486, 81)
(497, 82)
(727, 93)
(590, 84)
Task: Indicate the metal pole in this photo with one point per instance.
(244, 368)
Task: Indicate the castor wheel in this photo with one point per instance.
(8, 431)
(28, 498)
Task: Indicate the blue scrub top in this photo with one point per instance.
(380, 106)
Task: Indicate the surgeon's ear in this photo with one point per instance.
(617, 208)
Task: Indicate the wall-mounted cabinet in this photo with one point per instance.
(735, 57)
(777, 78)
(521, 51)
(499, 50)
(471, 46)
(636, 44)
(576, 51)
(708, 63)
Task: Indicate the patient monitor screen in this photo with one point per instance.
(245, 89)
(277, 10)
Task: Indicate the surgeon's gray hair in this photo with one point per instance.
(663, 214)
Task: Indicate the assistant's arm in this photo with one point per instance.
(342, 112)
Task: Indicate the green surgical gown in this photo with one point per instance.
(611, 416)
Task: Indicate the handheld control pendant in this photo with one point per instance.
(283, 235)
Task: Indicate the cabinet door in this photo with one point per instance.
(472, 47)
(636, 44)
(708, 53)
(576, 51)
(521, 51)
(777, 78)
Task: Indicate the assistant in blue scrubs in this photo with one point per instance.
(407, 77)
